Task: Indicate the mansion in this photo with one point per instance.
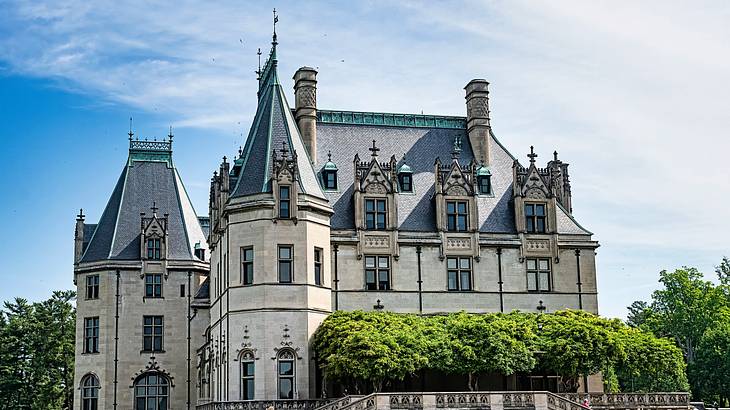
(321, 210)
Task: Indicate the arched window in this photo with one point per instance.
(90, 392)
(151, 391)
(247, 375)
(286, 373)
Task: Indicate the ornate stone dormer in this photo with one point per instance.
(376, 213)
(457, 218)
(153, 236)
(534, 191)
(284, 183)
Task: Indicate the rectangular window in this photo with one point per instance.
(152, 333)
(284, 202)
(457, 216)
(535, 220)
(153, 285)
(92, 287)
(318, 266)
(377, 272)
(459, 273)
(485, 184)
(286, 260)
(375, 214)
(247, 266)
(153, 248)
(330, 179)
(406, 182)
(182, 291)
(91, 334)
(538, 275)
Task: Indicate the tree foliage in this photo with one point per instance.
(37, 353)
(367, 349)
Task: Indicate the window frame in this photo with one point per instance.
(375, 213)
(377, 270)
(318, 262)
(287, 201)
(281, 260)
(161, 400)
(153, 336)
(533, 220)
(246, 358)
(456, 215)
(459, 272)
(401, 182)
(326, 174)
(91, 334)
(535, 273)
(286, 355)
(92, 286)
(247, 266)
(154, 288)
(154, 248)
(90, 387)
(480, 182)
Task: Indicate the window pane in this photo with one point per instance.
(381, 206)
(284, 252)
(284, 271)
(530, 225)
(540, 225)
(370, 279)
(464, 263)
(531, 281)
(284, 192)
(462, 207)
(529, 210)
(158, 320)
(451, 222)
(451, 263)
(544, 281)
(370, 221)
(284, 209)
(531, 264)
(370, 261)
(450, 207)
(465, 280)
(543, 264)
(383, 261)
(462, 223)
(248, 254)
(369, 205)
(540, 210)
(381, 221)
(452, 275)
(286, 368)
(285, 389)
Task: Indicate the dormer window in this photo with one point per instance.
(154, 248)
(329, 174)
(535, 219)
(405, 178)
(484, 181)
(375, 214)
(284, 201)
(457, 216)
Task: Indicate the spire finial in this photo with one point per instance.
(284, 151)
(555, 155)
(131, 134)
(374, 150)
(240, 151)
(457, 148)
(329, 156)
(154, 208)
(258, 72)
(80, 216)
(169, 135)
(276, 20)
(532, 155)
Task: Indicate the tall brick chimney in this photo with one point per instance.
(305, 112)
(477, 119)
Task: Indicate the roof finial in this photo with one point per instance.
(131, 134)
(240, 151)
(284, 151)
(555, 155)
(329, 156)
(170, 134)
(374, 150)
(80, 216)
(457, 148)
(532, 155)
(154, 208)
(258, 72)
(276, 20)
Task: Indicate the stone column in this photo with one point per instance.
(305, 112)
(477, 119)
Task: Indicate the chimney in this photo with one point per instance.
(79, 237)
(477, 119)
(305, 113)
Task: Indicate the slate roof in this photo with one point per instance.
(145, 180)
(273, 126)
(421, 145)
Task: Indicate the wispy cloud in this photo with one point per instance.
(633, 95)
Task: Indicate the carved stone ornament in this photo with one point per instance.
(456, 190)
(535, 193)
(308, 97)
(377, 241)
(537, 246)
(153, 367)
(458, 243)
(376, 188)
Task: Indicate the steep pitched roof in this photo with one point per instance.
(272, 129)
(148, 178)
(422, 139)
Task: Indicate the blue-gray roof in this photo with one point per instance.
(145, 181)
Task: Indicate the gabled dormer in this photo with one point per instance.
(374, 193)
(455, 190)
(284, 183)
(153, 236)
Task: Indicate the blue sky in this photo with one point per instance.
(633, 95)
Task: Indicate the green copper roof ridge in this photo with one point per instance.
(390, 119)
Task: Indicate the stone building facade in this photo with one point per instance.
(320, 211)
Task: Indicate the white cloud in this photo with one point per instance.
(633, 95)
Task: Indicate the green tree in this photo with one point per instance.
(710, 372)
(650, 364)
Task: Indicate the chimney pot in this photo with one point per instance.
(477, 119)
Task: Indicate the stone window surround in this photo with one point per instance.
(459, 270)
(247, 266)
(376, 268)
(92, 286)
(536, 272)
(91, 335)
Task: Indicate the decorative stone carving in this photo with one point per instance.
(458, 243)
(537, 246)
(377, 242)
(376, 188)
(456, 190)
(535, 193)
